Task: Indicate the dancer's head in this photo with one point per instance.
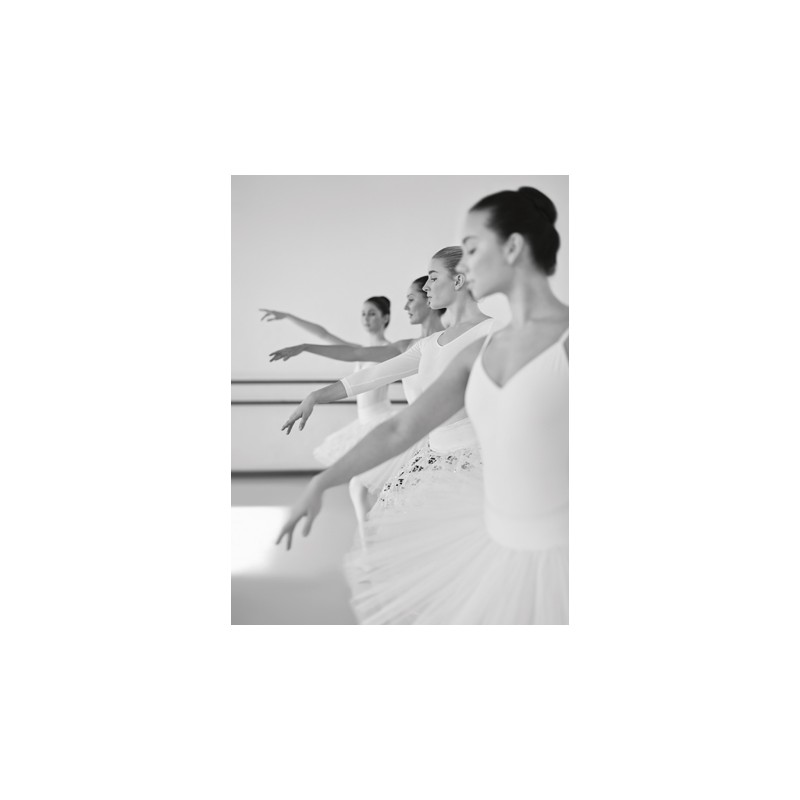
(507, 232)
(375, 314)
(417, 304)
(444, 284)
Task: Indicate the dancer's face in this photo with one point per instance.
(440, 288)
(372, 319)
(485, 264)
(416, 305)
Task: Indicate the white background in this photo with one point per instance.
(677, 674)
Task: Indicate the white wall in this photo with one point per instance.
(317, 246)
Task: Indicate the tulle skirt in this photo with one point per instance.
(340, 442)
(428, 558)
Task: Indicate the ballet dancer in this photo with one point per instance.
(372, 407)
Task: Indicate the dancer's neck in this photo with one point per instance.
(464, 311)
(531, 299)
(433, 324)
(377, 339)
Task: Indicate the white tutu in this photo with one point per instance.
(333, 447)
(428, 558)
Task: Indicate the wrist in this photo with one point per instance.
(319, 482)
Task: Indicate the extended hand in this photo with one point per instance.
(285, 353)
(272, 316)
(302, 413)
(308, 506)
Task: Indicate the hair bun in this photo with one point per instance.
(383, 304)
(541, 201)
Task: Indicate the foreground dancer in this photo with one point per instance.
(502, 556)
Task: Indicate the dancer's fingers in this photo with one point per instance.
(296, 414)
(305, 416)
(286, 531)
(309, 521)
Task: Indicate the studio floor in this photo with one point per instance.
(304, 586)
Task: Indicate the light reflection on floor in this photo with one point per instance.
(304, 586)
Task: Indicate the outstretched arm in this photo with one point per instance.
(312, 327)
(343, 352)
(327, 394)
(435, 406)
(362, 381)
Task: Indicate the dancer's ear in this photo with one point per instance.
(513, 247)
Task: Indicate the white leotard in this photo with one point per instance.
(523, 430)
(373, 404)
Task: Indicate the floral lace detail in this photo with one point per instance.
(424, 462)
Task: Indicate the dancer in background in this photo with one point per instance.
(419, 313)
(372, 407)
(447, 544)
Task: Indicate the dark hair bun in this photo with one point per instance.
(540, 201)
(383, 304)
(529, 212)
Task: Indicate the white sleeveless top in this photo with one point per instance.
(427, 359)
(523, 430)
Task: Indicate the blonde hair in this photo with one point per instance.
(450, 256)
